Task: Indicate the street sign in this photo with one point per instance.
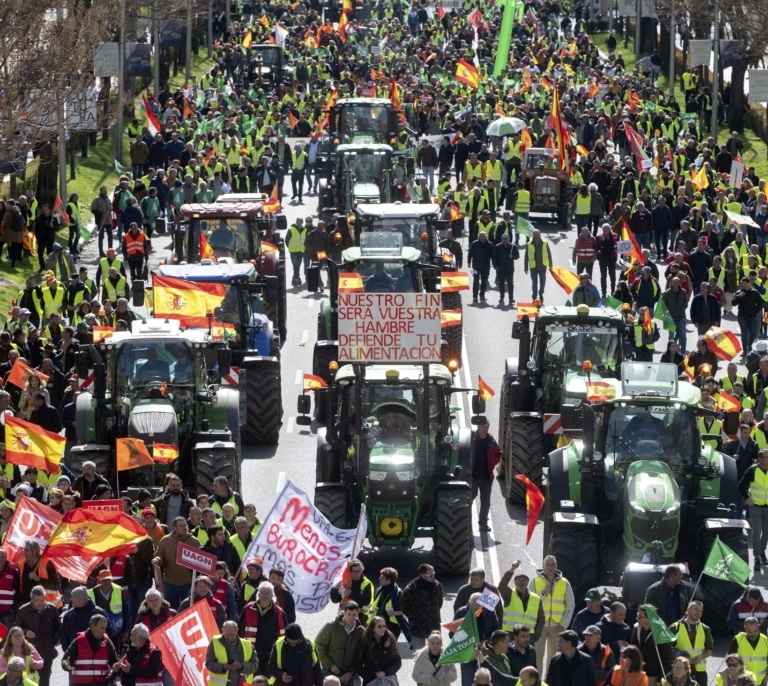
(106, 61)
(195, 559)
(82, 110)
(758, 85)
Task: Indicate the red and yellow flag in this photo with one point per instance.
(186, 301)
(343, 24)
(292, 119)
(20, 372)
(723, 343)
(468, 74)
(690, 370)
(525, 140)
(102, 332)
(394, 95)
(164, 453)
(60, 208)
(628, 235)
(272, 206)
(376, 75)
(248, 39)
(455, 214)
(131, 453)
(567, 279)
(529, 309)
(30, 445)
(350, 282)
(450, 318)
(313, 382)
(534, 501)
(206, 251)
(452, 282)
(557, 124)
(484, 390)
(600, 391)
(268, 247)
(727, 402)
(98, 533)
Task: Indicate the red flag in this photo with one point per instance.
(476, 18)
(560, 135)
(534, 501)
(272, 206)
(31, 521)
(343, 23)
(60, 209)
(723, 343)
(206, 251)
(440, 12)
(21, 371)
(152, 122)
(394, 95)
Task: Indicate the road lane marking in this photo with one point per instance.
(304, 338)
(280, 482)
(299, 376)
(311, 302)
(477, 540)
(289, 425)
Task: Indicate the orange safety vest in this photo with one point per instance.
(52, 596)
(134, 244)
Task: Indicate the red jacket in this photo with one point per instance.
(492, 455)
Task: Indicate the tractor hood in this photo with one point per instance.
(154, 421)
(651, 508)
(392, 472)
(575, 384)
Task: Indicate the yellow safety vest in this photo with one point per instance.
(583, 205)
(105, 265)
(493, 170)
(523, 201)
(52, 301)
(115, 599)
(515, 614)
(760, 438)
(684, 643)
(217, 508)
(234, 156)
(720, 277)
(758, 489)
(299, 161)
(279, 651)
(220, 653)
(716, 428)
(532, 257)
(115, 291)
(296, 240)
(514, 150)
(474, 172)
(554, 602)
(755, 659)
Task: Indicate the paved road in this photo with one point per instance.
(487, 344)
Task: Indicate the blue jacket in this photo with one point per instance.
(75, 620)
(487, 622)
(662, 219)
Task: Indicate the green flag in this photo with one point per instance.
(505, 36)
(661, 632)
(662, 314)
(723, 563)
(615, 303)
(462, 645)
(118, 167)
(523, 226)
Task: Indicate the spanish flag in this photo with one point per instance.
(529, 309)
(164, 453)
(534, 501)
(20, 372)
(484, 390)
(455, 214)
(376, 75)
(600, 391)
(690, 370)
(313, 383)
(727, 402)
(453, 282)
(97, 533)
(60, 208)
(272, 206)
(560, 134)
(724, 344)
(186, 301)
(450, 318)
(467, 73)
(343, 24)
(268, 247)
(248, 39)
(206, 251)
(394, 95)
(628, 235)
(131, 453)
(292, 119)
(350, 282)
(32, 446)
(102, 332)
(567, 279)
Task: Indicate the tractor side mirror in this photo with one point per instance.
(731, 423)
(224, 358)
(304, 420)
(137, 293)
(517, 330)
(82, 364)
(478, 405)
(313, 278)
(304, 404)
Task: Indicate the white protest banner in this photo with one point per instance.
(32, 521)
(184, 641)
(737, 174)
(700, 52)
(298, 539)
(624, 247)
(741, 219)
(389, 327)
(488, 599)
(758, 86)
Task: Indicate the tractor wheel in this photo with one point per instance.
(207, 468)
(504, 424)
(264, 403)
(453, 531)
(453, 334)
(523, 454)
(282, 302)
(321, 333)
(717, 594)
(576, 551)
(333, 505)
(565, 216)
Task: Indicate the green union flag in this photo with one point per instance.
(462, 645)
(614, 303)
(663, 315)
(523, 226)
(660, 631)
(723, 563)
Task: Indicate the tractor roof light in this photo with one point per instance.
(453, 365)
(333, 366)
(337, 237)
(586, 366)
(425, 236)
(351, 218)
(705, 370)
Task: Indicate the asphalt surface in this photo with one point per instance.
(487, 332)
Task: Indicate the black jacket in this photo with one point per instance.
(580, 667)
(480, 255)
(421, 602)
(504, 257)
(311, 673)
(377, 657)
(161, 506)
(47, 417)
(133, 656)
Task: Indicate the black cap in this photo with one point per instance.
(294, 632)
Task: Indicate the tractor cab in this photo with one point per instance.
(364, 121)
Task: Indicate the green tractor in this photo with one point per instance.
(153, 383)
(391, 443)
(642, 488)
(549, 372)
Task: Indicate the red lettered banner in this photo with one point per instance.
(184, 641)
(194, 558)
(104, 505)
(31, 521)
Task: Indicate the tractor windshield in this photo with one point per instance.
(166, 365)
(367, 167)
(229, 237)
(410, 228)
(572, 345)
(662, 432)
(365, 118)
(389, 277)
(270, 57)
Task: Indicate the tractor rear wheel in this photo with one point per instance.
(504, 437)
(453, 531)
(208, 467)
(717, 594)
(523, 454)
(333, 504)
(264, 403)
(575, 548)
(453, 334)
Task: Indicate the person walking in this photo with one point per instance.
(45, 228)
(177, 579)
(40, 622)
(421, 601)
(135, 251)
(339, 642)
(295, 240)
(606, 246)
(538, 261)
(694, 638)
(294, 659)
(101, 208)
(479, 259)
(754, 489)
(485, 455)
(676, 300)
(504, 256)
(142, 661)
(426, 671)
(231, 660)
(89, 658)
(585, 251)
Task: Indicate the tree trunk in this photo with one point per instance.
(736, 110)
(72, 149)
(47, 175)
(647, 35)
(104, 97)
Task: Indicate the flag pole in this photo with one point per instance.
(698, 581)
(117, 481)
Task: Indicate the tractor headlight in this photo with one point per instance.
(407, 475)
(377, 476)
